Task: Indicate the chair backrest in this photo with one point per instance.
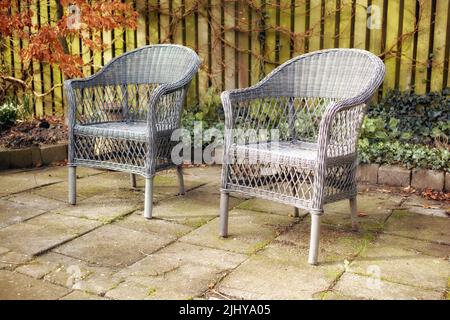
(157, 64)
(333, 73)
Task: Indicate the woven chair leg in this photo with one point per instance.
(181, 179)
(354, 214)
(224, 214)
(72, 185)
(148, 202)
(133, 180)
(314, 241)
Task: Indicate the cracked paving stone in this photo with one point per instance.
(17, 286)
(375, 289)
(249, 231)
(417, 226)
(397, 264)
(44, 232)
(113, 246)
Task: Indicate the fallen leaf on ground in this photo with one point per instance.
(362, 214)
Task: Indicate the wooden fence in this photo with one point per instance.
(240, 41)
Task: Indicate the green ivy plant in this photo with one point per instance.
(405, 116)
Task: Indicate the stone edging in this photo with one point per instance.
(402, 177)
(33, 156)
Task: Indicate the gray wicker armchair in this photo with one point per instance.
(316, 102)
(122, 117)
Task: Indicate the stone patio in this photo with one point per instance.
(104, 249)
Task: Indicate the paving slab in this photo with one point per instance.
(24, 180)
(16, 286)
(194, 209)
(403, 266)
(86, 187)
(36, 201)
(267, 206)
(372, 288)
(13, 212)
(208, 174)
(44, 232)
(113, 246)
(272, 274)
(374, 209)
(165, 185)
(420, 246)
(11, 260)
(183, 283)
(61, 172)
(71, 273)
(137, 222)
(345, 244)
(104, 207)
(416, 226)
(249, 231)
(178, 254)
(179, 271)
(81, 295)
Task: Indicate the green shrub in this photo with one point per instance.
(8, 114)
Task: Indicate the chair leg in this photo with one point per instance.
(148, 202)
(354, 214)
(314, 241)
(296, 212)
(181, 179)
(224, 214)
(72, 185)
(133, 180)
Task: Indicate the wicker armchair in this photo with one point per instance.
(122, 117)
(316, 102)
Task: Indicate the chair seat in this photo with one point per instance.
(298, 153)
(118, 130)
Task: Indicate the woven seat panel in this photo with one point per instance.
(297, 153)
(121, 130)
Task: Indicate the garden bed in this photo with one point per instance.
(33, 143)
(34, 132)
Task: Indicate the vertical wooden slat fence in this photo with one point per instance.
(239, 41)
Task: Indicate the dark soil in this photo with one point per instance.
(35, 132)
